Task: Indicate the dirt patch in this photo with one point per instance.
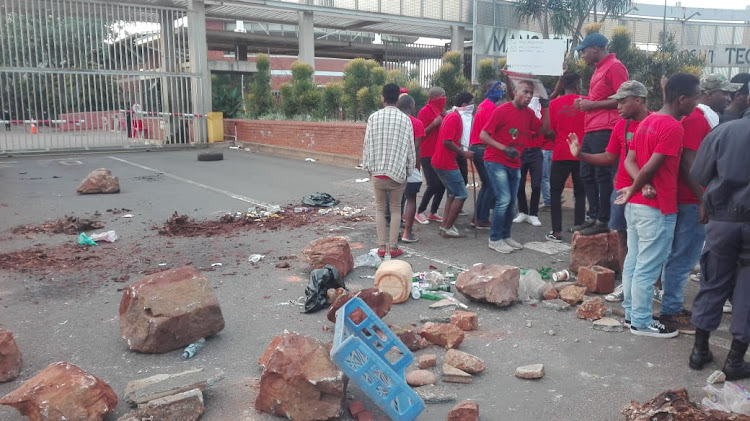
(65, 225)
(72, 257)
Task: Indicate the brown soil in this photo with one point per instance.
(64, 225)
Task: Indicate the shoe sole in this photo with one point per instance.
(501, 251)
(554, 240)
(612, 299)
(407, 240)
(422, 222)
(654, 335)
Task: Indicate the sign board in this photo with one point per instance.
(721, 55)
(536, 56)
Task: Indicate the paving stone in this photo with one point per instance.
(534, 371)
(607, 324)
(453, 375)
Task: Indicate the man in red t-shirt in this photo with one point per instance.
(431, 116)
(447, 148)
(601, 116)
(689, 232)
(510, 127)
(565, 119)
(651, 214)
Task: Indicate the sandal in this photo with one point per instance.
(409, 240)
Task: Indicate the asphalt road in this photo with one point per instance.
(590, 375)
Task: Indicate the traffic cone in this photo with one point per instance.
(33, 128)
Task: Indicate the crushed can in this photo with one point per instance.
(562, 275)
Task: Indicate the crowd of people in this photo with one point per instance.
(672, 183)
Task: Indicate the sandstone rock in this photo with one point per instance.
(411, 338)
(379, 302)
(607, 324)
(445, 335)
(549, 292)
(534, 371)
(169, 310)
(365, 416)
(418, 378)
(300, 381)
(63, 391)
(592, 309)
(454, 375)
(465, 320)
(334, 251)
(463, 361)
(162, 385)
(559, 286)
(530, 286)
(99, 181)
(355, 407)
(573, 294)
(589, 250)
(464, 411)
(10, 357)
(597, 279)
(434, 394)
(185, 406)
(427, 361)
(556, 304)
(495, 284)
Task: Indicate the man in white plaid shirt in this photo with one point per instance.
(388, 154)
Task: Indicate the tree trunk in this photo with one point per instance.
(545, 20)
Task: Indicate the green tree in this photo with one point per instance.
(363, 85)
(450, 76)
(226, 94)
(259, 99)
(300, 97)
(332, 97)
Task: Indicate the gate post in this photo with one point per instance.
(201, 85)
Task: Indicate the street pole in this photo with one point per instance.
(664, 41)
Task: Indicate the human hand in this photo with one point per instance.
(511, 152)
(648, 191)
(467, 154)
(573, 144)
(625, 195)
(438, 120)
(544, 102)
(584, 104)
(703, 219)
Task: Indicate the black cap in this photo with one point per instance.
(593, 40)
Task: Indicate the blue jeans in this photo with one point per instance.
(454, 183)
(650, 234)
(689, 235)
(504, 181)
(546, 170)
(485, 197)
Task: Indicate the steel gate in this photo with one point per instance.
(84, 75)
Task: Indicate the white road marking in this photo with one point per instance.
(71, 162)
(547, 247)
(195, 183)
(433, 259)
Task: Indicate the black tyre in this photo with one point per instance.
(211, 156)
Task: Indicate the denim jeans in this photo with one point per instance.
(504, 181)
(689, 235)
(453, 182)
(546, 171)
(485, 197)
(650, 234)
(597, 180)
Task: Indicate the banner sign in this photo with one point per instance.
(536, 56)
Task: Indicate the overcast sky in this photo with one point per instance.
(722, 4)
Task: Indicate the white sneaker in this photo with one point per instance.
(521, 217)
(727, 307)
(617, 295)
(513, 243)
(534, 220)
(500, 246)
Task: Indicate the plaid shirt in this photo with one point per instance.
(389, 144)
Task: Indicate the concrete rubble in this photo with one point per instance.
(463, 361)
(556, 304)
(592, 309)
(411, 338)
(99, 181)
(465, 320)
(184, 406)
(534, 371)
(427, 361)
(445, 335)
(139, 392)
(496, 284)
(573, 294)
(549, 292)
(607, 324)
(464, 411)
(334, 251)
(454, 375)
(10, 357)
(435, 394)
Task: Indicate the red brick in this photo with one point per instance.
(465, 320)
(356, 407)
(365, 416)
(597, 279)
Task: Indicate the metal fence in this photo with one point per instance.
(416, 61)
(78, 74)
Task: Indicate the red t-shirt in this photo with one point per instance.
(504, 121)
(610, 73)
(417, 126)
(619, 144)
(660, 133)
(536, 140)
(696, 129)
(427, 115)
(564, 118)
(484, 111)
(451, 129)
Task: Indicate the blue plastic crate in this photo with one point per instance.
(376, 360)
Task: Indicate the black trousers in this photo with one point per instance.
(463, 166)
(725, 273)
(434, 190)
(597, 180)
(559, 173)
(532, 162)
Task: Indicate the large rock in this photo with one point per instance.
(62, 391)
(299, 380)
(464, 411)
(380, 303)
(169, 310)
(495, 284)
(10, 357)
(573, 294)
(443, 334)
(99, 181)
(589, 250)
(464, 361)
(334, 251)
(592, 309)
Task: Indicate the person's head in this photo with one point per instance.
(435, 92)
(406, 104)
(740, 98)
(681, 94)
(593, 48)
(463, 99)
(523, 93)
(631, 99)
(571, 82)
(717, 89)
(495, 90)
(390, 93)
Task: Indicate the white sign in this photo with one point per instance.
(536, 56)
(721, 55)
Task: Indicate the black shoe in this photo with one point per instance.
(598, 228)
(654, 330)
(701, 354)
(735, 366)
(583, 226)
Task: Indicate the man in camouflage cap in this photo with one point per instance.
(716, 90)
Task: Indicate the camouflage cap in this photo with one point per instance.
(631, 88)
(716, 82)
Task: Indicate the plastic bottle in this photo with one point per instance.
(431, 296)
(441, 287)
(415, 292)
(193, 348)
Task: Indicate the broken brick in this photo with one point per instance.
(597, 279)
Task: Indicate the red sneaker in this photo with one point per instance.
(381, 252)
(396, 252)
(435, 217)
